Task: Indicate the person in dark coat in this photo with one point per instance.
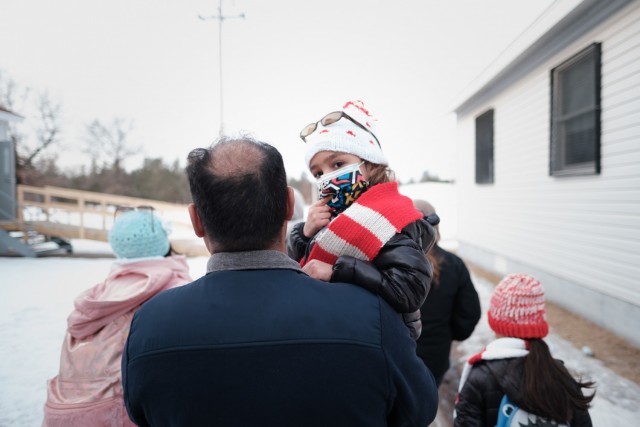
(361, 230)
(452, 309)
(518, 364)
(256, 341)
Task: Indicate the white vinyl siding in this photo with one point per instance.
(582, 229)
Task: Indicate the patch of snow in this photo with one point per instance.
(85, 246)
(36, 296)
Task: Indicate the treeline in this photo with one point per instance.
(155, 179)
(39, 138)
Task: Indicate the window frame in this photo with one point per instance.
(485, 152)
(557, 163)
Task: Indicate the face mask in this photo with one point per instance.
(344, 186)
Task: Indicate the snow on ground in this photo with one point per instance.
(36, 296)
(91, 247)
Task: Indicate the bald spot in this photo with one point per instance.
(236, 158)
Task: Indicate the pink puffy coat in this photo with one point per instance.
(88, 388)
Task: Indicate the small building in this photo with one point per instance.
(548, 152)
(7, 166)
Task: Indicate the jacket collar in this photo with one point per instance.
(251, 260)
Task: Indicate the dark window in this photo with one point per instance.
(575, 114)
(484, 148)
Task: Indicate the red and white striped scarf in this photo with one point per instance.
(365, 226)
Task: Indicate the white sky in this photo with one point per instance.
(286, 65)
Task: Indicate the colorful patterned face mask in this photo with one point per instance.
(344, 186)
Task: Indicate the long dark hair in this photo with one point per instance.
(550, 389)
(433, 255)
(436, 263)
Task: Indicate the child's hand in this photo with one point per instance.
(319, 216)
(318, 270)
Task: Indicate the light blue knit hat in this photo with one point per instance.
(138, 234)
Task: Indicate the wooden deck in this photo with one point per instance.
(75, 214)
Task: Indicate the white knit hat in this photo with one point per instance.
(346, 137)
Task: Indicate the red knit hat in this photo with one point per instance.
(517, 308)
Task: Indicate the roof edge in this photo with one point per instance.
(9, 116)
(560, 24)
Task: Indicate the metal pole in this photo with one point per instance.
(220, 18)
(220, 61)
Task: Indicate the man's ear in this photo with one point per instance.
(195, 220)
(291, 202)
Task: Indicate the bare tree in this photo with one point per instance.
(12, 96)
(48, 129)
(46, 124)
(109, 142)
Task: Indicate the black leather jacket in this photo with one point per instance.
(488, 381)
(400, 273)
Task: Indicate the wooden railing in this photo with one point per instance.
(80, 214)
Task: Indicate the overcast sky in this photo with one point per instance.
(286, 64)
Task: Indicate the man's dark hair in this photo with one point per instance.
(239, 188)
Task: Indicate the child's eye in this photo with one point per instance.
(338, 165)
(317, 175)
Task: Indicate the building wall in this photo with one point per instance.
(581, 234)
(4, 130)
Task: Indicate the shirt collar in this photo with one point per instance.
(251, 260)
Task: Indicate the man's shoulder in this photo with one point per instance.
(169, 295)
(277, 278)
(296, 286)
(238, 303)
(269, 279)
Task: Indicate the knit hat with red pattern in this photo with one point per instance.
(517, 308)
(347, 137)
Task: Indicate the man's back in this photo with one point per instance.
(273, 347)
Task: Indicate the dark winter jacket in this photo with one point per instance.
(450, 312)
(488, 381)
(400, 273)
(267, 345)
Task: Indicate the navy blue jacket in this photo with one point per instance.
(273, 348)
